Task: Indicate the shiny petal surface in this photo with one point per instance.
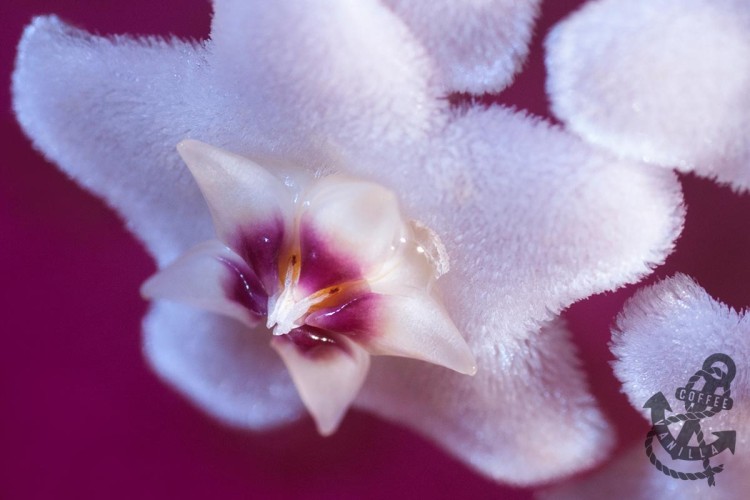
(223, 366)
(327, 377)
(348, 231)
(401, 322)
(514, 420)
(663, 336)
(477, 45)
(241, 194)
(410, 323)
(666, 81)
(213, 278)
(333, 75)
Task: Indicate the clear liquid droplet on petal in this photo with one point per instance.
(429, 245)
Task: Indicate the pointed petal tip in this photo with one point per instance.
(157, 286)
(327, 379)
(192, 147)
(412, 323)
(195, 153)
(32, 35)
(46, 22)
(460, 360)
(325, 427)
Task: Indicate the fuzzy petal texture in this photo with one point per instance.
(109, 112)
(663, 335)
(328, 378)
(666, 332)
(665, 81)
(532, 230)
(477, 45)
(117, 106)
(349, 74)
(513, 420)
(222, 365)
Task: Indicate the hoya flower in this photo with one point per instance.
(331, 268)
(665, 81)
(531, 217)
(664, 334)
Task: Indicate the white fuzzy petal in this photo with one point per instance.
(525, 417)
(663, 335)
(666, 81)
(478, 45)
(631, 476)
(327, 379)
(109, 112)
(665, 332)
(226, 368)
(333, 74)
(533, 219)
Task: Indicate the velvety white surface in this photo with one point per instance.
(532, 218)
(665, 81)
(476, 45)
(221, 366)
(328, 75)
(663, 335)
(514, 419)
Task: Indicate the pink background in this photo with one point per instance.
(82, 416)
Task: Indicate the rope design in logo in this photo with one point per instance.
(697, 408)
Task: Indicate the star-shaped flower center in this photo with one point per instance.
(330, 266)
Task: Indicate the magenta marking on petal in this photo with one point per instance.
(355, 318)
(260, 246)
(314, 342)
(321, 265)
(245, 288)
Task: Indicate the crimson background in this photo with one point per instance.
(82, 416)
